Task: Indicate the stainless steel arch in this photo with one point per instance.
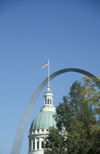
(25, 118)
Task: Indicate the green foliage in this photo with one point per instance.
(54, 142)
(79, 115)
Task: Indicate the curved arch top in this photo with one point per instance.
(25, 118)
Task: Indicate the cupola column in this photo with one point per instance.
(31, 144)
(35, 143)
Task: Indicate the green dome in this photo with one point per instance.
(44, 120)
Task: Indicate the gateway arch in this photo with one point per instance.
(25, 118)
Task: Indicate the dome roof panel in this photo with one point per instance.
(43, 120)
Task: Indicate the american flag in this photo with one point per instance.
(46, 64)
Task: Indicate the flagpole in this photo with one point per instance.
(48, 72)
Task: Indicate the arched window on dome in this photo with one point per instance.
(48, 101)
(42, 144)
(33, 144)
(46, 144)
(37, 143)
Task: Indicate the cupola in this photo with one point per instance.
(48, 101)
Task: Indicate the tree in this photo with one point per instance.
(54, 142)
(79, 115)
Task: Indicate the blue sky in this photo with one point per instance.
(66, 32)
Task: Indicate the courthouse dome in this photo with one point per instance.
(44, 120)
(41, 123)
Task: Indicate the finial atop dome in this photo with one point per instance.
(48, 87)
